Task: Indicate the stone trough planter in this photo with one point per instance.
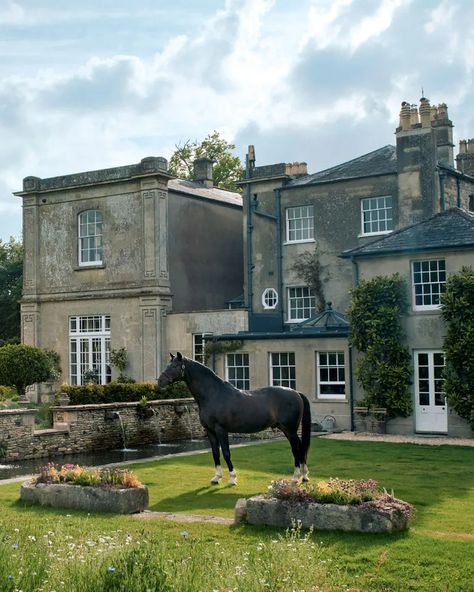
(89, 499)
(261, 510)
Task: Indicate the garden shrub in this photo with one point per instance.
(457, 308)
(78, 475)
(24, 365)
(384, 369)
(115, 392)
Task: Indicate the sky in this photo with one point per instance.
(102, 83)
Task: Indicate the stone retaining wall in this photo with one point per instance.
(79, 428)
(82, 428)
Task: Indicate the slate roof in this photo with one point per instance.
(451, 229)
(382, 161)
(198, 190)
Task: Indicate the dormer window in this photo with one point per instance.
(90, 238)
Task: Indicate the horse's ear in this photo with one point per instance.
(179, 356)
(171, 356)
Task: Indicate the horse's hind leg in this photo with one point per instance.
(296, 449)
(223, 437)
(216, 456)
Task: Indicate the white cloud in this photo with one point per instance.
(317, 80)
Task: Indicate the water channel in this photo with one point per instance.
(104, 457)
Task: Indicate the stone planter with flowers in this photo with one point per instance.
(90, 490)
(336, 504)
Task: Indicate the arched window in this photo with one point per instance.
(90, 238)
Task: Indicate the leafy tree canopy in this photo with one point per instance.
(24, 365)
(227, 168)
(457, 307)
(11, 281)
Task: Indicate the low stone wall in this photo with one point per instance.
(82, 428)
(79, 428)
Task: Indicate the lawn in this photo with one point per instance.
(46, 550)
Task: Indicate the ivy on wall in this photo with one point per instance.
(308, 267)
(220, 347)
(376, 331)
(457, 308)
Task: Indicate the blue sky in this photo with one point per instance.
(94, 84)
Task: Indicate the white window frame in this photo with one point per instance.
(332, 366)
(199, 340)
(419, 278)
(238, 363)
(89, 347)
(308, 301)
(269, 299)
(303, 218)
(281, 363)
(90, 232)
(373, 215)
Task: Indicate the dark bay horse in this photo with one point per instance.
(224, 408)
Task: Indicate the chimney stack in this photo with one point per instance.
(202, 172)
(465, 158)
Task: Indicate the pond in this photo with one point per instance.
(104, 457)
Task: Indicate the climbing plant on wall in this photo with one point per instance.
(457, 307)
(308, 267)
(383, 369)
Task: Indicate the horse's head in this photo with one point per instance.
(173, 372)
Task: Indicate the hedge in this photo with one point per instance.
(114, 392)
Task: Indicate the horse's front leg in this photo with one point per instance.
(216, 456)
(223, 437)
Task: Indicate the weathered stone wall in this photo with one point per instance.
(79, 428)
(82, 428)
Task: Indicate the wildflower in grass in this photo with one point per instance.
(184, 534)
(14, 546)
(111, 569)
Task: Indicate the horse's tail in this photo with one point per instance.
(305, 426)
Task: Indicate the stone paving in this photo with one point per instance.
(414, 439)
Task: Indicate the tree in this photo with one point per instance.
(227, 168)
(24, 365)
(376, 331)
(11, 281)
(457, 308)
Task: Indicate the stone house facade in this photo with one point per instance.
(109, 254)
(296, 337)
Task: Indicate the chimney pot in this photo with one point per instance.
(202, 170)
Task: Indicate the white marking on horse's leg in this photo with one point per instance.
(232, 478)
(217, 476)
(296, 475)
(305, 472)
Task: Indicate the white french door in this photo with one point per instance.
(431, 412)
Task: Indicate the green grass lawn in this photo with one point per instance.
(45, 550)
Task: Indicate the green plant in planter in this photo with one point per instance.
(144, 409)
(119, 359)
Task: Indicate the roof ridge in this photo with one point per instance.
(352, 159)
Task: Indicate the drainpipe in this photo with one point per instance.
(355, 271)
(458, 188)
(279, 250)
(248, 168)
(442, 198)
(351, 386)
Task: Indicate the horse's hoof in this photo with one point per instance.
(214, 481)
(305, 478)
(231, 483)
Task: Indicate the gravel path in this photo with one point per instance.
(430, 440)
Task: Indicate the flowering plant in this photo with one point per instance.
(78, 475)
(339, 491)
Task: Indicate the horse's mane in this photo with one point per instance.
(205, 370)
